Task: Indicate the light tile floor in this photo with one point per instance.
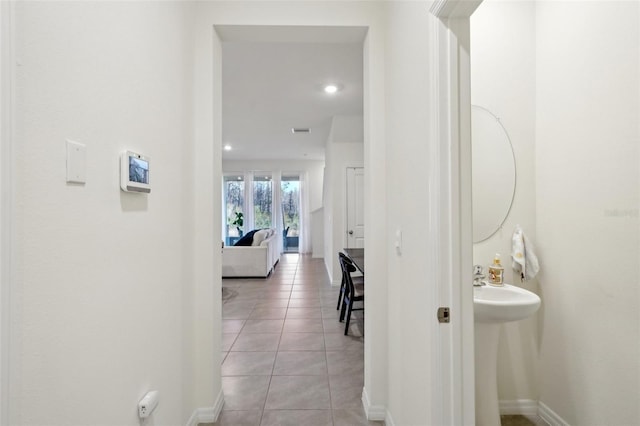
(286, 360)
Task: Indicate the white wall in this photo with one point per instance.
(70, 338)
(317, 233)
(346, 129)
(6, 201)
(327, 219)
(407, 133)
(342, 150)
(102, 303)
(584, 166)
(587, 186)
(503, 80)
(412, 277)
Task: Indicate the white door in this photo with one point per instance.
(355, 207)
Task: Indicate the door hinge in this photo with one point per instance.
(443, 314)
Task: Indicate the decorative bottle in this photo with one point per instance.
(496, 272)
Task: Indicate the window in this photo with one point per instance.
(263, 205)
(290, 196)
(234, 207)
(262, 200)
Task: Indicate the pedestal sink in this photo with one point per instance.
(493, 306)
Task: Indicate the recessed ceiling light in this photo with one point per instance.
(331, 88)
(227, 147)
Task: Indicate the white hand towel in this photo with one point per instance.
(525, 261)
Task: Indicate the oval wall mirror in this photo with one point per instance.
(494, 173)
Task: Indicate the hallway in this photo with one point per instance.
(286, 360)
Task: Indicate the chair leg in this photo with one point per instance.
(346, 327)
(343, 310)
(340, 294)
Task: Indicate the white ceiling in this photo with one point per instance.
(273, 79)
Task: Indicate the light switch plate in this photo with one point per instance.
(76, 162)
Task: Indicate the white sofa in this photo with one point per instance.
(251, 261)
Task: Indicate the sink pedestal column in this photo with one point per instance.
(486, 363)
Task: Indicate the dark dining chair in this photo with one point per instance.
(343, 284)
(285, 242)
(352, 293)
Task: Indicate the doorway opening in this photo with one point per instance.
(273, 81)
(355, 207)
(291, 223)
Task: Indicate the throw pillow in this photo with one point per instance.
(246, 240)
(259, 237)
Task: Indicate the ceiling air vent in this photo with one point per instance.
(295, 130)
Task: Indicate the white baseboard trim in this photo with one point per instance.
(530, 407)
(202, 415)
(549, 416)
(193, 420)
(208, 414)
(374, 412)
(217, 407)
(526, 407)
(388, 421)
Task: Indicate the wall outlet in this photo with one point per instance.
(147, 404)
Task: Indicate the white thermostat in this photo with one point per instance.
(134, 172)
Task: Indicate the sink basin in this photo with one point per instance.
(492, 306)
(503, 304)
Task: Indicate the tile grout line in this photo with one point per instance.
(264, 406)
(326, 358)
